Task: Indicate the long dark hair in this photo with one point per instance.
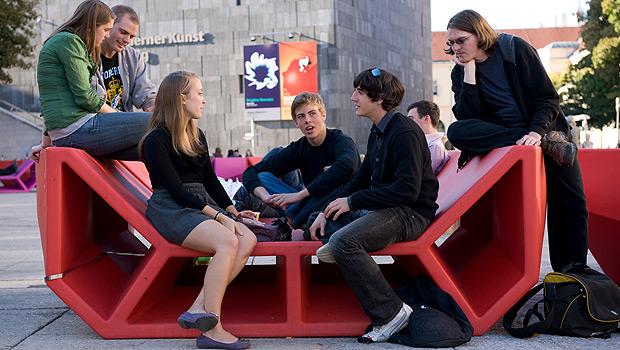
(471, 21)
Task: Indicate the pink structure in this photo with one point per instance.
(24, 180)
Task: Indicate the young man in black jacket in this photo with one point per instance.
(503, 97)
(327, 159)
(390, 199)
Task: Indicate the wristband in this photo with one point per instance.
(215, 216)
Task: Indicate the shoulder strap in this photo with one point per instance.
(528, 330)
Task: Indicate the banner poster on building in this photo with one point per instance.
(298, 72)
(274, 75)
(262, 82)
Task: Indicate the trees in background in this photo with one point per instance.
(591, 86)
(17, 20)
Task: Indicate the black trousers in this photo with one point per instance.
(567, 212)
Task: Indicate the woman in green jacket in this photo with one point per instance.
(74, 115)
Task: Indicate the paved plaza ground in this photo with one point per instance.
(33, 317)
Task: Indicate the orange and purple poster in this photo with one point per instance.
(298, 72)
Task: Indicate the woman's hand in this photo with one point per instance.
(46, 142)
(228, 223)
(251, 221)
(34, 152)
(248, 214)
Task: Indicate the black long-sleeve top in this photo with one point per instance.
(396, 171)
(323, 168)
(532, 89)
(170, 170)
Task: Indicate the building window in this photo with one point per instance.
(240, 84)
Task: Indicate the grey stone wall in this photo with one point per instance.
(16, 138)
(351, 35)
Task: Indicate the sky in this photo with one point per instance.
(510, 14)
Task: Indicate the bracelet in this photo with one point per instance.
(215, 216)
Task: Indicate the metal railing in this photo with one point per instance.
(16, 112)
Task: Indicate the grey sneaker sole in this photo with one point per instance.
(325, 255)
(400, 321)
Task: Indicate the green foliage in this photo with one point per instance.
(596, 25)
(17, 20)
(591, 86)
(611, 8)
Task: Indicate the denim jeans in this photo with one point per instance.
(300, 211)
(109, 135)
(358, 234)
(292, 179)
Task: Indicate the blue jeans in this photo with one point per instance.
(355, 234)
(292, 179)
(109, 135)
(300, 211)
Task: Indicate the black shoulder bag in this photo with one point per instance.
(578, 302)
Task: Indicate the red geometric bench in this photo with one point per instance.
(600, 169)
(23, 180)
(85, 206)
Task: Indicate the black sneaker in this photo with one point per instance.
(556, 145)
(284, 230)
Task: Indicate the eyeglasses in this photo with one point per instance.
(375, 72)
(459, 41)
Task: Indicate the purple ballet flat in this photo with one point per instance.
(203, 342)
(201, 321)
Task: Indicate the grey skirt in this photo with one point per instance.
(174, 221)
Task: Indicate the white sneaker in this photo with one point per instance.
(383, 333)
(325, 254)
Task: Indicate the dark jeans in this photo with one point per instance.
(355, 234)
(244, 200)
(300, 211)
(567, 212)
(292, 179)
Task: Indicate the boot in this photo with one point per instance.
(556, 145)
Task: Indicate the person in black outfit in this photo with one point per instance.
(177, 157)
(392, 198)
(327, 159)
(504, 97)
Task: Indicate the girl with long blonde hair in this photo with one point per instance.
(187, 201)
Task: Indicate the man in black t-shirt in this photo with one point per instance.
(121, 76)
(327, 159)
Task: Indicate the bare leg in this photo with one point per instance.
(230, 255)
(246, 246)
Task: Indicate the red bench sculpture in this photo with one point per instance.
(599, 168)
(23, 180)
(86, 205)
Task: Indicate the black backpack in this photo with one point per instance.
(436, 321)
(578, 302)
